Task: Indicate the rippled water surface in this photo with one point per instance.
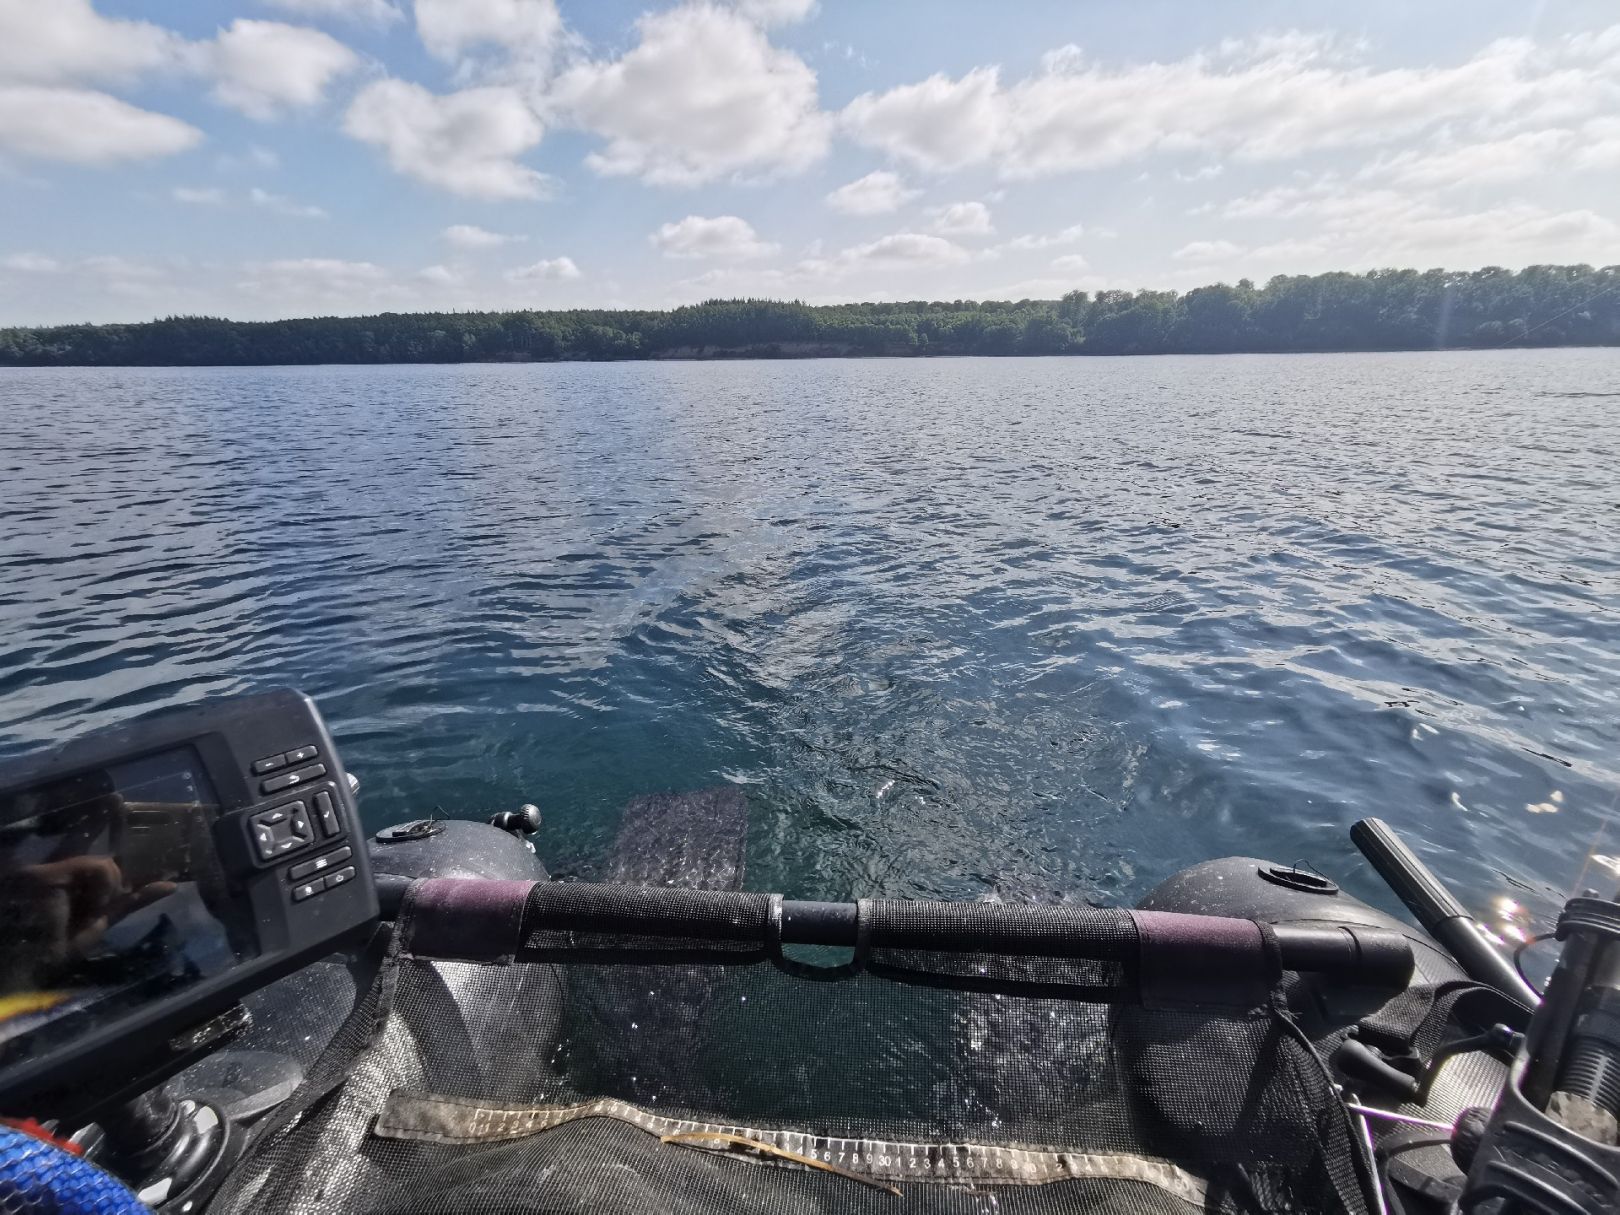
(962, 628)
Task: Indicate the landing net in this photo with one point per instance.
(562, 1047)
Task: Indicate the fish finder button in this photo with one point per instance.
(299, 755)
(269, 764)
(297, 777)
(326, 813)
(303, 869)
(280, 831)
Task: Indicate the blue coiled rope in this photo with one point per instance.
(38, 1178)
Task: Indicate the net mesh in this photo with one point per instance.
(620, 1071)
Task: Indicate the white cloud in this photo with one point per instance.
(1599, 44)
(748, 281)
(868, 268)
(111, 288)
(1421, 231)
(124, 276)
(469, 236)
(1285, 202)
(214, 196)
(963, 219)
(723, 236)
(703, 95)
(374, 12)
(113, 265)
(258, 67)
(858, 272)
(1269, 99)
(551, 270)
(938, 123)
(877, 193)
(62, 41)
(1067, 236)
(66, 42)
(86, 128)
(1347, 226)
(861, 271)
(1206, 173)
(526, 31)
(1207, 251)
(324, 269)
(309, 284)
(905, 249)
(1487, 162)
(1070, 263)
(264, 67)
(104, 274)
(776, 12)
(466, 142)
(284, 206)
(31, 263)
(1293, 251)
(1600, 145)
(203, 196)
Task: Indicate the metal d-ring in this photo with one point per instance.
(807, 970)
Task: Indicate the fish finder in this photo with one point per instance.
(153, 873)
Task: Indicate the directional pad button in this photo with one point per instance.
(280, 831)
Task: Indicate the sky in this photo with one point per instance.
(269, 158)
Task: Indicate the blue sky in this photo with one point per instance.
(267, 158)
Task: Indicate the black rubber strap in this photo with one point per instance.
(455, 920)
(1188, 961)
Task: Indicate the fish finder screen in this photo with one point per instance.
(111, 896)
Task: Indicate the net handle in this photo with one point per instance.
(829, 924)
(479, 919)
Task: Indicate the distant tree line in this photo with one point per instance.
(1382, 310)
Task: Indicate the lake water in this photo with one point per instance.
(961, 628)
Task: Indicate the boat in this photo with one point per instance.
(422, 1018)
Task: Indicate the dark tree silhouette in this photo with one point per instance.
(1381, 310)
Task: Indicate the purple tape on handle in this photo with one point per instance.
(463, 919)
(1202, 959)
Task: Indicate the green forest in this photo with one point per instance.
(1381, 310)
